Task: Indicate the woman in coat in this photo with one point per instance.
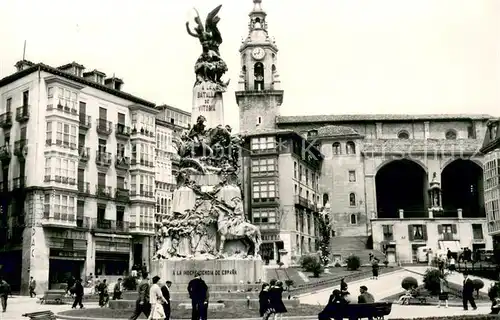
(443, 292)
(276, 298)
(375, 267)
(264, 302)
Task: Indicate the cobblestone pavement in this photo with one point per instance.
(19, 305)
(390, 284)
(386, 285)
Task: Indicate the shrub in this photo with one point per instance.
(289, 283)
(281, 264)
(386, 262)
(494, 291)
(478, 285)
(337, 264)
(353, 262)
(432, 281)
(409, 283)
(129, 283)
(312, 264)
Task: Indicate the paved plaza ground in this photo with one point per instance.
(385, 286)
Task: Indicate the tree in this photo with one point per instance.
(324, 245)
(353, 262)
(432, 281)
(478, 285)
(129, 283)
(409, 283)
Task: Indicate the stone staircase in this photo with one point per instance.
(343, 247)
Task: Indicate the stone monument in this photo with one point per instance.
(208, 230)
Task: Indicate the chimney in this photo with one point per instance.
(95, 76)
(114, 83)
(73, 68)
(23, 64)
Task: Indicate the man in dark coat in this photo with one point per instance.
(198, 292)
(165, 291)
(77, 290)
(4, 293)
(468, 293)
(335, 303)
(103, 293)
(142, 304)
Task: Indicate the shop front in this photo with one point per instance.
(112, 256)
(67, 254)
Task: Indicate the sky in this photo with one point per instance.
(336, 56)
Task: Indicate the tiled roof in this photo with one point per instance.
(43, 67)
(259, 132)
(332, 131)
(380, 117)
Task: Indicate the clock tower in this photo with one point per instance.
(259, 96)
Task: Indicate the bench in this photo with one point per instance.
(41, 315)
(377, 311)
(53, 297)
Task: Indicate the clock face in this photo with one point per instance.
(258, 53)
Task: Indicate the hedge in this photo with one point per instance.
(462, 317)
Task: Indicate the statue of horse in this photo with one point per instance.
(243, 230)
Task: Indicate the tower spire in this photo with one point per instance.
(257, 5)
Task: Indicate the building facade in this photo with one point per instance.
(170, 122)
(78, 175)
(490, 149)
(375, 176)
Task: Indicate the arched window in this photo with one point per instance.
(325, 198)
(451, 135)
(336, 148)
(273, 68)
(403, 135)
(258, 71)
(352, 199)
(354, 219)
(350, 147)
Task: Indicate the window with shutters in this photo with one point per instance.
(388, 234)
(447, 231)
(417, 232)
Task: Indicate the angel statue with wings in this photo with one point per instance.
(209, 66)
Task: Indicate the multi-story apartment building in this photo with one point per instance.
(376, 171)
(78, 175)
(170, 122)
(490, 149)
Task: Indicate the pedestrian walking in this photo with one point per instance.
(77, 291)
(117, 290)
(468, 292)
(103, 293)
(276, 298)
(4, 293)
(375, 268)
(32, 287)
(451, 265)
(264, 302)
(443, 292)
(142, 304)
(199, 294)
(156, 300)
(165, 290)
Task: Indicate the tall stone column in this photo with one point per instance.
(90, 259)
(35, 250)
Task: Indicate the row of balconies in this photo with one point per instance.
(62, 108)
(20, 150)
(306, 203)
(52, 218)
(105, 127)
(22, 115)
(108, 192)
(105, 159)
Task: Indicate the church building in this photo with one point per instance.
(388, 183)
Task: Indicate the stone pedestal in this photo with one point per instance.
(213, 271)
(207, 101)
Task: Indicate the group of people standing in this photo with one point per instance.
(271, 300)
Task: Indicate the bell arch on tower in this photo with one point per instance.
(258, 70)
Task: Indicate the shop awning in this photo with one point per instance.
(454, 246)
